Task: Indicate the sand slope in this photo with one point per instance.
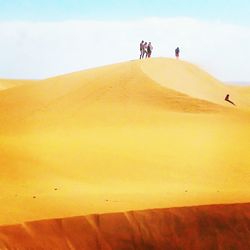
(96, 95)
(188, 79)
(136, 135)
(145, 85)
(206, 227)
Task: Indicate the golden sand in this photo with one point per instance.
(136, 135)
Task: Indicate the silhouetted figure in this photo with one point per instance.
(142, 50)
(228, 100)
(149, 50)
(177, 52)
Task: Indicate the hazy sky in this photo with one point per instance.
(44, 38)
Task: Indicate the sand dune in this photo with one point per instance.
(123, 86)
(205, 227)
(135, 135)
(101, 95)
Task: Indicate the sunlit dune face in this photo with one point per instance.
(137, 135)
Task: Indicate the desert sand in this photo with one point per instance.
(138, 135)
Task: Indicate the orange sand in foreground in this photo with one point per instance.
(221, 227)
(136, 135)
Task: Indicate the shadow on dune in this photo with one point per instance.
(204, 227)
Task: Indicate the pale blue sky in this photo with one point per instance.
(231, 11)
(39, 39)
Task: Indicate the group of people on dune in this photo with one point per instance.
(147, 48)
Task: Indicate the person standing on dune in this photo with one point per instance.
(145, 46)
(177, 52)
(142, 49)
(149, 50)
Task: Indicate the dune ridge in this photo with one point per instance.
(203, 227)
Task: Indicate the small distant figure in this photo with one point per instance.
(177, 52)
(228, 100)
(142, 50)
(149, 50)
(145, 46)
